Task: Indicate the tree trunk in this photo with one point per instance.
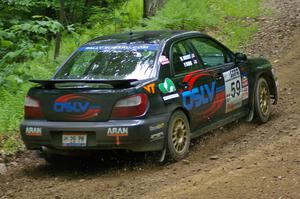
(151, 6)
(87, 4)
(58, 35)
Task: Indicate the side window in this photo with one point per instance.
(183, 58)
(211, 53)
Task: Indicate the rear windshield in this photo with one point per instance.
(111, 62)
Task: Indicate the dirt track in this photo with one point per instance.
(241, 160)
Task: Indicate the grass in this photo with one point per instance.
(227, 20)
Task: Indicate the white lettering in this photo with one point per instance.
(117, 132)
(157, 136)
(33, 131)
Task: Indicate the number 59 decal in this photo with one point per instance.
(233, 89)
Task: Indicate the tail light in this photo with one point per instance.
(132, 106)
(32, 109)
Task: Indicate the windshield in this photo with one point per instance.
(111, 62)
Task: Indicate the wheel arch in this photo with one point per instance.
(170, 151)
(269, 77)
(187, 114)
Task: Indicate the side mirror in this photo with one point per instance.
(240, 57)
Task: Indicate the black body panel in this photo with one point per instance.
(203, 94)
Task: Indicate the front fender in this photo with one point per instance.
(260, 67)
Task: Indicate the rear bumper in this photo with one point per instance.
(142, 135)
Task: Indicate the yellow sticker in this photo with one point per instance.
(150, 88)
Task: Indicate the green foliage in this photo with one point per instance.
(10, 144)
(116, 19)
(9, 104)
(238, 8)
(227, 18)
(186, 15)
(24, 6)
(28, 39)
(235, 35)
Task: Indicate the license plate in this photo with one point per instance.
(74, 139)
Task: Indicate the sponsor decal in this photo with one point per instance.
(188, 64)
(188, 60)
(157, 136)
(169, 97)
(196, 96)
(76, 107)
(124, 47)
(157, 127)
(245, 86)
(233, 89)
(117, 132)
(33, 131)
(167, 86)
(187, 57)
(163, 60)
(150, 88)
(199, 96)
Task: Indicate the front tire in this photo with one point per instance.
(178, 136)
(262, 101)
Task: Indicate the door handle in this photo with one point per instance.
(183, 85)
(218, 76)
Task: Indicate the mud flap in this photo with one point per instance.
(250, 117)
(162, 155)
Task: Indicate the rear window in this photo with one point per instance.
(111, 62)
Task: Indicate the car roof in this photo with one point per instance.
(141, 37)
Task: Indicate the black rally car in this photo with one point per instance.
(145, 91)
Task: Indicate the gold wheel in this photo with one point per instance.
(179, 135)
(178, 142)
(264, 98)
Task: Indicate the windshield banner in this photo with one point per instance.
(124, 47)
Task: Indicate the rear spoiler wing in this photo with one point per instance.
(115, 83)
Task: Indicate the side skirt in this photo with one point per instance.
(218, 124)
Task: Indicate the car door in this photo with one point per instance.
(196, 87)
(219, 63)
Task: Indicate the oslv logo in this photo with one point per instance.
(199, 96)
(76, 107)
(71, 107)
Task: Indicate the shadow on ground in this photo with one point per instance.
(103, 163)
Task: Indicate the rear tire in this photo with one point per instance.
(178, 136)
(262, 101)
